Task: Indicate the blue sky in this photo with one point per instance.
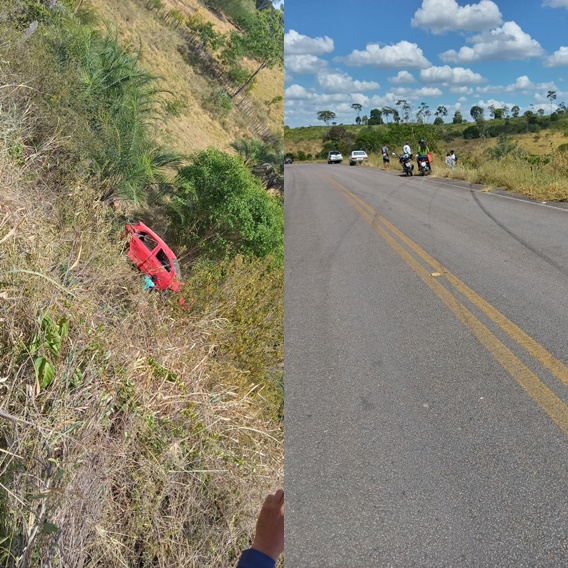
(441, 52)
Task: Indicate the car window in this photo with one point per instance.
(161, 256)
(148, 240)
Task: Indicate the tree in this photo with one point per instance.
(338, 138)
(326, 116)
(438, 121)
(458, 118)
(395, 116)
(441, 111)
(387, 111)
(357, 107)
(422, 113)
(263, 42)
(358, 120)
(218, 218)
(561, 108)
(375, 117)
(551, 97)
(515, 110)
(492, 111)
(405, 107)
(365, 119)
(498, 113)
(476, 112)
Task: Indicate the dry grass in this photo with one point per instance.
(150, 446)
(541, 182)
(545, 182)
(193, 129)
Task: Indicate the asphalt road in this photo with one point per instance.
(426, 373)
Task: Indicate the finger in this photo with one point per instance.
(279, 496)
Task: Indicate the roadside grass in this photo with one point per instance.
(540, 173)
(156, 434)
(544, 181)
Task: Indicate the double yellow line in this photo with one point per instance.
(541, 394)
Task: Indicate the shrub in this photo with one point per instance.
(471, 132)
(105, 102)
(227, 210)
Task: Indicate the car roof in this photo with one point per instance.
(141, 227)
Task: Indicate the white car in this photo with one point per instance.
(334, 157)
(357, 157)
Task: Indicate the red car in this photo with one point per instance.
(153, 257)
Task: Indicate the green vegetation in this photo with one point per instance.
(220, 209)
(132, 432)
(524, 154)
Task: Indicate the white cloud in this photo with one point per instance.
(339, 82)
(403, 54)
(447, 75)
(462, 99)
(556, 3)
(402, 77)
(417, 93)
(558, 59)
(461, 90)
(304, 64)
(297, 92)
(298, 44)
(521, 83)
(441, 16)
(505, 43)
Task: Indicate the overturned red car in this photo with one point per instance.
(153, 257)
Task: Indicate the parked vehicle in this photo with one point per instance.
(334, 157)
(406, 163)
(357, 157)
(423, 164)
(153, 257)
(288, 160)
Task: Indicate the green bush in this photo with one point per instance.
(218, 103)
(220, 209)
(108, 103)
(471, 132)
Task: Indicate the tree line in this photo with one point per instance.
(402, 112)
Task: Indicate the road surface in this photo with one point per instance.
(426, 373)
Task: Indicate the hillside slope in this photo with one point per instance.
(161, 39)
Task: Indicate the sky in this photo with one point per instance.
(439, 52)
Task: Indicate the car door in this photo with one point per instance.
(142, 247)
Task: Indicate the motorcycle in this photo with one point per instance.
(423, 164)
(406, 163)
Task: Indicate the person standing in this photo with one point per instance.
(449, 161)
(386, 157)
